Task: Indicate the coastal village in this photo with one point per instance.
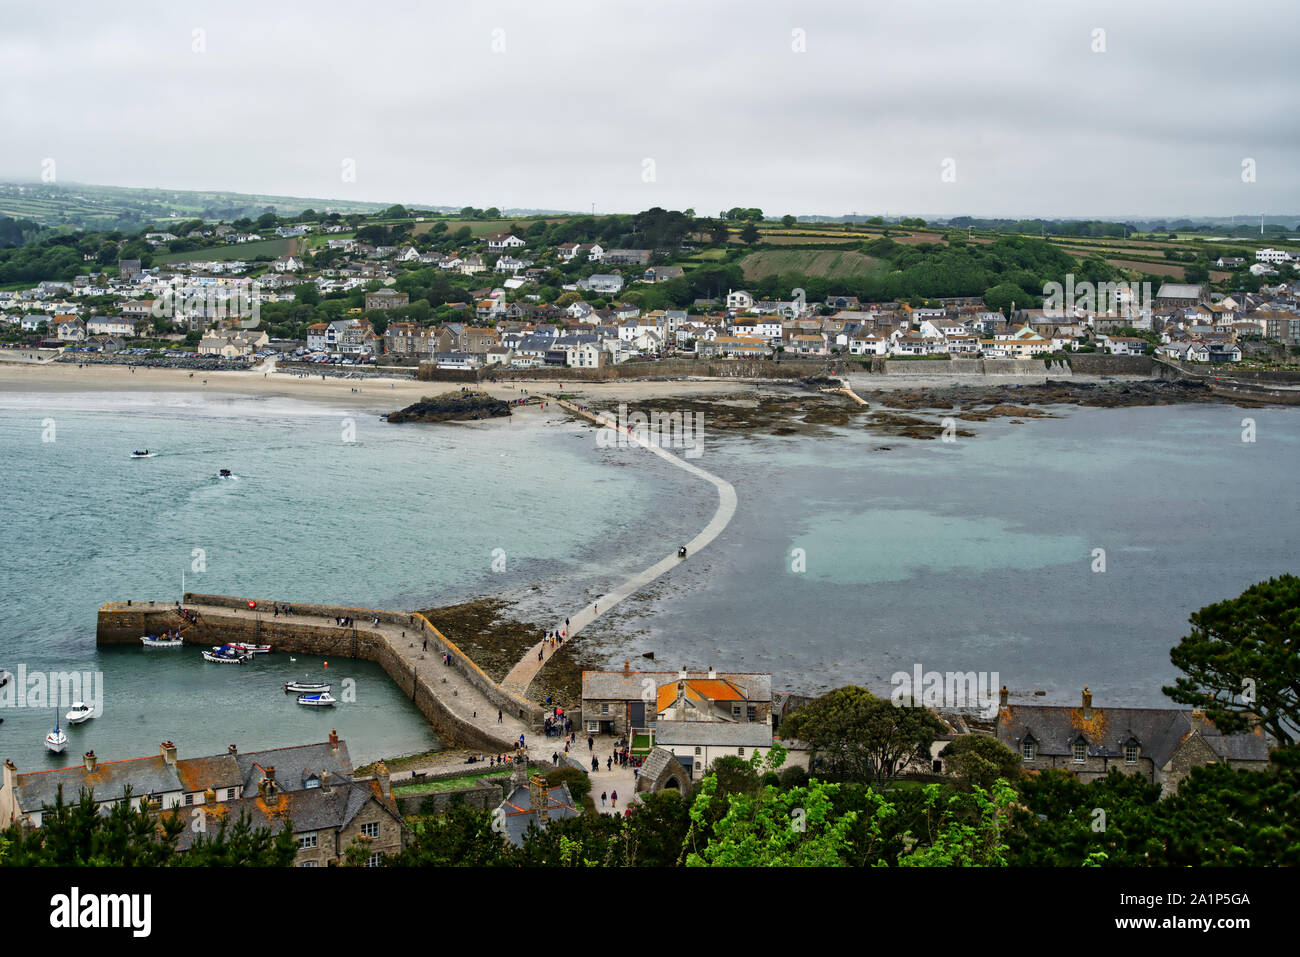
(527, 306)
(517, 761)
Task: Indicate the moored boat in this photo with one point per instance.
(169, 640)
(56, 740)
(226, 655)
(307, 687)
(251, 649)
(322, 700)
(81, 712)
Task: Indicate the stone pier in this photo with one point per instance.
(458, 699)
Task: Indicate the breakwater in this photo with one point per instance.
(457, 697)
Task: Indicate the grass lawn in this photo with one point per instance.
(641, 744)
(446, 784)
(246, 251)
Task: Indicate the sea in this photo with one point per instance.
(1051, 554)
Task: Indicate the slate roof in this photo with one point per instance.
(293, 766)
(108, 781)
(519, 815)
(1159, 732)
(753, 734)
(315, 809)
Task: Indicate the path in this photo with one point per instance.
(522, 674)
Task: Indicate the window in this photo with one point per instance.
(371, 829)
(604, 707)
(373, 860)
(189, 799)
(751, 713)
(735, 711)
(740, 752)
(698, 750)
(307, 864)
(1080, 751)
(230, 794)
(1027, 750)
(1130, 753)
(306, 841)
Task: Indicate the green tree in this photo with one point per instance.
(749, 234)
(1241, 661)
(855, 734)
(787, 220)
(980, 759)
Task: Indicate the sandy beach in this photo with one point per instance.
(18, 375)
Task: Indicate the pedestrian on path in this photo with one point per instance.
(498, 715)
(609, 764)
(602, 798)
(539, 654)
(591, 743)
(613, 796)
(555, 758)
(595, 764)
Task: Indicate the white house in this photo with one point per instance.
(740, 300)
(503, 241)
(697, 744)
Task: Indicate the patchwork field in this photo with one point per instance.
(266, 247)
(833, 263)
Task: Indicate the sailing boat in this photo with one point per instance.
(56, 740)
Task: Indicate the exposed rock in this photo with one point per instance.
(452, 407)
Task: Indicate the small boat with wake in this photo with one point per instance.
(80, 713)
(306, 687)
(146, 454)
(165, 640)
(322, 700)
(226, 474)
(57, 739)
(226, 655)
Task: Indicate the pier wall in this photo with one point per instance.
(223, 618)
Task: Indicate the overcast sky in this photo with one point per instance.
(829, 108)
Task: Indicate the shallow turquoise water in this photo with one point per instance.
(402, 517)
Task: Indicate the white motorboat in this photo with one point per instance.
(81, 712)
(226, 655)
(226, 474)
(56, 740)
(307, 687)
(162, 641)
(322, 700)
(251, 649)
(146, 454)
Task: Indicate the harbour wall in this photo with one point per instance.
(311, 630)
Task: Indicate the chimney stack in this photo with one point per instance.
(169, 753)
(1087, 704)
(1002, 696)
(681, 675)
(334, 740)
(90, 761)
(1198, 720)
(538, 799)
(325, 781)
(712, 673)
(627, 668)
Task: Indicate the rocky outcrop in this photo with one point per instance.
(452, 407)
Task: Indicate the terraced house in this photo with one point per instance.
(1161, 745)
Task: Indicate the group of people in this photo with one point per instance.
(344, 622)
(285, 609)
(557, 726)
(191, 616)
